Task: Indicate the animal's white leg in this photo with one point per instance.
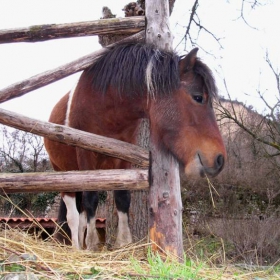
(72, 217)
(82, 228)
(92, 238)
(124, 236)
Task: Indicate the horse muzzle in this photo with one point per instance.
(198, 166)
(216, 168)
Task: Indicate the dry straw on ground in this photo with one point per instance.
(55, 261)
(50, 260)
(46, 259)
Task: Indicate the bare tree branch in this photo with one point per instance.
(275, 72)
(253, 5)
(187, 34)
(201, 27)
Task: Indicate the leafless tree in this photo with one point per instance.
(21, 151)
(265, 128)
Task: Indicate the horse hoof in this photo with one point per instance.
(93, 247)
(120, 244)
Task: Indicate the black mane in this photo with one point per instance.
(124, 67)
(137, 68)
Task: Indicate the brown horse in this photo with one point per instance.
(125, 84)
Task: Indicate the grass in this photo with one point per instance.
(156, 268)
(24, 253)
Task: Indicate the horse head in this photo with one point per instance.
(184, 124)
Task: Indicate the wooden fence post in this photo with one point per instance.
(165, 212)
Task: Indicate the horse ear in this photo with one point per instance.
(188, 62)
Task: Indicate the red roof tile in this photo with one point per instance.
(26, 222)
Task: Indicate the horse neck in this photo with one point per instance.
(119, 116)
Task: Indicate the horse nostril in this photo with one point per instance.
(220, 161)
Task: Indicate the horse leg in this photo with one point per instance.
(82, 228)
(90, 203)
(72, 217)
(122, 200)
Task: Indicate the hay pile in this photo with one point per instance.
(55, 261)
(33, 258)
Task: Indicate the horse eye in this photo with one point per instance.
(198, 98)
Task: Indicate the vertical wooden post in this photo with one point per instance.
(158, 30)
(165, 211)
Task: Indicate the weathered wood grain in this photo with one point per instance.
(75, 137)
(165, 212)
(72, 181)
(37, 33)
(165, 215)
(158, 28)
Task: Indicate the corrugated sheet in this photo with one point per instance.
(24, 222)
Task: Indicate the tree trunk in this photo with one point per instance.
(165, 212)
(165, 204)
(138, 212)
(138, 207)
(139, 199)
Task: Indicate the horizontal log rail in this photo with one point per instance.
(73, 181)
(75, 137)
(20, 88)
(38, 33)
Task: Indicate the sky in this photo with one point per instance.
(240, 61)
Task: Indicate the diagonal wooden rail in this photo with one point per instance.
(20, 88)
(75, 137)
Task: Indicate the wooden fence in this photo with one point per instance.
(99, 179)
